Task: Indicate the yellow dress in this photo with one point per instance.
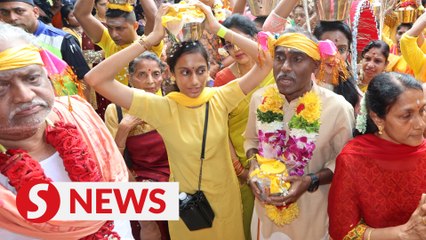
(414, 56)
(182, 130)
(398, 64)
(237, 125)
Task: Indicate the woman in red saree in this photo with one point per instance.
(380, 175)
(142, 146)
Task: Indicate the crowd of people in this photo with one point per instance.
(291, 125)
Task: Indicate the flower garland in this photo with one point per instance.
(19, 167)
(293, 150)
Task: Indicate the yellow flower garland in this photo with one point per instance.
(312, 107)
(306, 119)
(284, 215)
(273, 102)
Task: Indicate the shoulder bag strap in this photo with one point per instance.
(203, 145)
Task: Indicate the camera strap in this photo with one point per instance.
(203, 145)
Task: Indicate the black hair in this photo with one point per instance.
(384, 48)
(382, 93)
(179, 49)
(117, 13)
(323, 27)
(65, 12)
(407, 25)
(145, 56)
(45, 7)
(94, 9)
(347, 88)
(242, 23)
(260, 20)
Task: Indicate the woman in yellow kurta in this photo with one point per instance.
(179, 118)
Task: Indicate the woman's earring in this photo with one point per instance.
(380, 130)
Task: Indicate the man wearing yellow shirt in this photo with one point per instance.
(120, 29)
(411, 52)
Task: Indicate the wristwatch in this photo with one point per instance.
(314, 182)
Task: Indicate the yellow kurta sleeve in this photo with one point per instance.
(154, 110)
(230, 95)
(423, 47)
(414, 56)
(111, 119)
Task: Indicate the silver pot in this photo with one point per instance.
(192, 31)
(333, 10)
(261, 8)
(131, 2)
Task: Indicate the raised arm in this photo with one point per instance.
(410, 50)
(150, 11)
(418, 26)
(91, 26)
(239, 6)
(277, 20)
(263, 59)
(101, 77)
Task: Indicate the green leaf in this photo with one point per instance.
(300, 123)
(269, 116)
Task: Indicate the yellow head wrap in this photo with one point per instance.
(123, 7)
(59, 72)
(297, 41)
(18, 57)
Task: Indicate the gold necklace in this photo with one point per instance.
(238, 69)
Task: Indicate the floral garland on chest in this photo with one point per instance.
(283, 153)
(19, 167)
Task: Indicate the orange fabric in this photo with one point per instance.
(57, 20)
(223, 77)
(102, 148)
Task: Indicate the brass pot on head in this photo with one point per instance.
(407, 14)
(260, 8)
(333, 10)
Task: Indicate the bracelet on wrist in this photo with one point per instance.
(142, 41)
(222, 32)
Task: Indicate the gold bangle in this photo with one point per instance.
(142, 41)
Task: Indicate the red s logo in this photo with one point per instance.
(38, 201)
